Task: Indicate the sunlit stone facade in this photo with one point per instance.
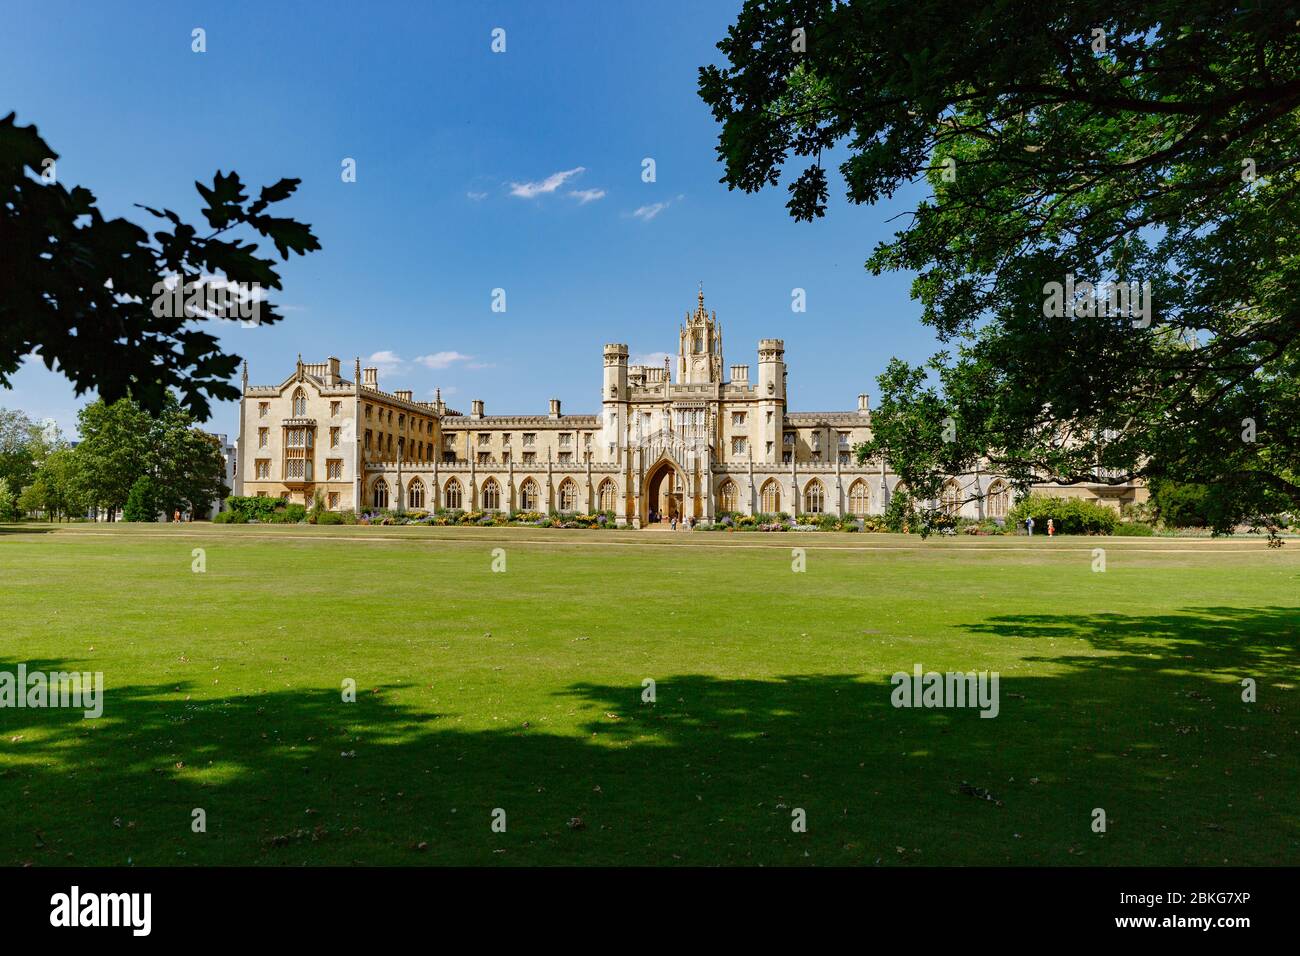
(690, 442)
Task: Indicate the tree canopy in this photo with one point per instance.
(1106, 244)
(121, 442)
(82, 291)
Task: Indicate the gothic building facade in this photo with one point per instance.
(690, 442)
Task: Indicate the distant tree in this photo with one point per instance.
(19, 447)
(1090, 145)
(56, 487)
(115, 447)
(185, 462)
(121, 443)
(9, 507)
(142, 502)
(82, 291)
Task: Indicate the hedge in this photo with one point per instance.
(1069, 515)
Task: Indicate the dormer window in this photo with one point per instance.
(299, 404)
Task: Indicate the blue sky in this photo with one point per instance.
(447, 138)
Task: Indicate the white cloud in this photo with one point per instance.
(475, 196)
(478, 365)
(386, 361)
(585, 196)
(650, 358)
(438, 360)
(546, 186)
(646, 213)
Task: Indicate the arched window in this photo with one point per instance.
(859, 498)
(568, 495)
(415, 493)
(950, 498)
(528, 496)
(999, 499)
(299, 403)
(606, 495)
(452, 495)
(491, 495)
(771, 496)
(380, 497)
(815, 497)
(727, 495)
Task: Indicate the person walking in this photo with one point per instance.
(674, 522)
(1051, 527)
(1029, 524)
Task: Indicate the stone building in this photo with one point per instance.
(694, 441)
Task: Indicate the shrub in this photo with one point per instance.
(1069, 515)
(254, 509)
(142, 501)
(1133, 529)
(899, 514)
(1142, 512)
(329, 517)
(317, 508)
(985, 527)
(1180, 505)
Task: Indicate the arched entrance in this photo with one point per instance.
(664, 494)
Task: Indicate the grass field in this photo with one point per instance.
(522, 691)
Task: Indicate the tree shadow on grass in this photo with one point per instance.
(713, 772)
(1248, 640)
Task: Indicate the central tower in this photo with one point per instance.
(699, 349)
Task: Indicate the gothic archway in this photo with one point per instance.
(665, 493)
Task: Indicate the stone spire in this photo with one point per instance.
(699, 349)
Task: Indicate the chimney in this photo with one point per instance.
(370, 378)
(334, 375)
(555, 408)
(740, 373)
(404, 394)
(476, 408)
(862, 405)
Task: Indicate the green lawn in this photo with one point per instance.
(522, 690)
